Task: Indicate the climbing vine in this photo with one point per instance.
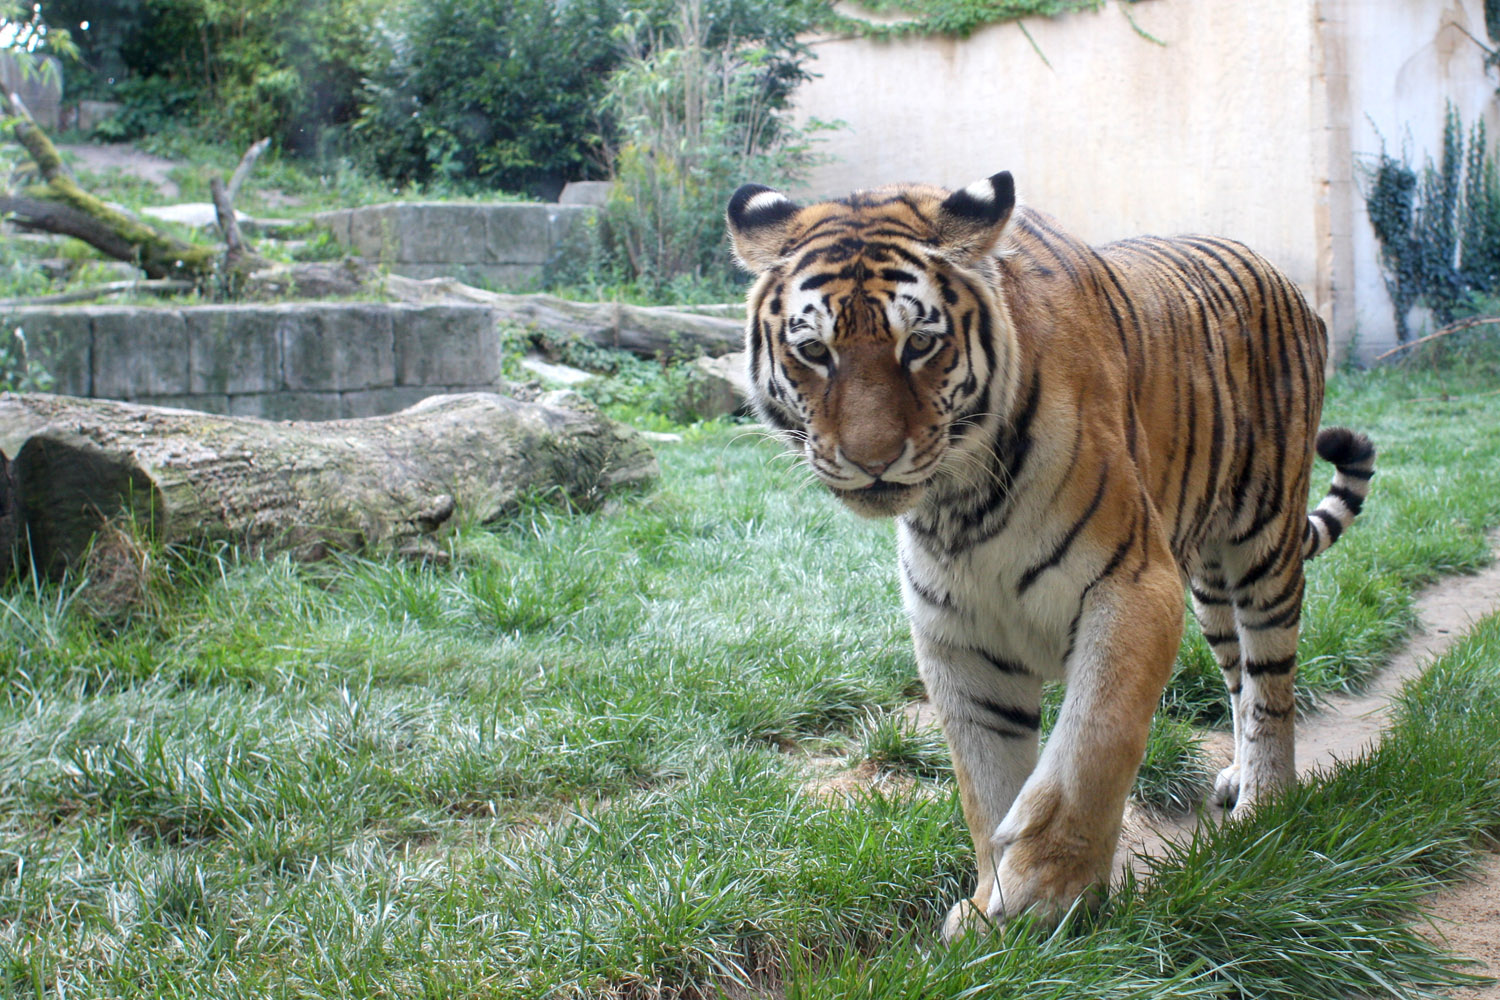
(959, 18)
(1439, 230)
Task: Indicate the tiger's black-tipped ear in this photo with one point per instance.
(971, 219)
(759, 222)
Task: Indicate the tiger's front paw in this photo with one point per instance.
(965, 916)
(1046, 877)
(1227, 787)
(1050, 857)
(1240, 789)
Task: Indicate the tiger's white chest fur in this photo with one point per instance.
(974, 597)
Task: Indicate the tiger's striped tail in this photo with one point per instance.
(1353, 456)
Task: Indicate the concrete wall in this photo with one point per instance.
(498, 246)
(39, 84)
(1248, 122)
(1403, 61)
(298, 361)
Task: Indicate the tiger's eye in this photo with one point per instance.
(919, 343)
(813, 350)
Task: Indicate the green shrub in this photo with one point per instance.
(505, 95)
(242, 69)
(697, 113)
(150, 104)
(519, 95)
(19, 372)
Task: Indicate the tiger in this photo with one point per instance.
(1068, 438)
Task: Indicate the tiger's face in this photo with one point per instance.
(872, 334)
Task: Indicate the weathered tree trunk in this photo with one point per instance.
(650, 331)
(387, 483)
(10, 516)
(238, 258)
(241, 172)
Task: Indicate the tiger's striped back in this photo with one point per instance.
(1227, 448)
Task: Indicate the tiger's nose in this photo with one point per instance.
(871, 464)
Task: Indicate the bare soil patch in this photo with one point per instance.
(101, 158)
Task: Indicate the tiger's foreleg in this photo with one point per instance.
(990, 709)
(1057, 842)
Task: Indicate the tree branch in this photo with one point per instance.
(1452, 328)
(164, 287)
(243, 170)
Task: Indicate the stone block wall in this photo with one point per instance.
(498, 246)
(298, 361)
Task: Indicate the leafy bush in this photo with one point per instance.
(960, 18)
(519, 95)
(245, 69)
(151, 104)
(19, 372)
(696, 114)
(505, 94)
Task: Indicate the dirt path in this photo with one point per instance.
(101, 158)
(1468, 915)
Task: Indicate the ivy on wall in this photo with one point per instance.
(959, 18)
(1439, 230)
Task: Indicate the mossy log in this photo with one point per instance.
(649, 331)
(383, 483)
(59, 205)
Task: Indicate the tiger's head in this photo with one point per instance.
(874, 332)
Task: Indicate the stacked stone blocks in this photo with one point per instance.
(496, 245)
(303, 361)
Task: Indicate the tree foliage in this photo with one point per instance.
(505, 94)
(243, 68)
(517, 95)
(696, 115)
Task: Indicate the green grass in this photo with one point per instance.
(573, 761)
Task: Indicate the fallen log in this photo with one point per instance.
(10, 517)
(153, 287)
(390, 483)
(59, 205)
(650, 331)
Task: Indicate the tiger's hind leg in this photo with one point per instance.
(1215, 612)
(1266, 589)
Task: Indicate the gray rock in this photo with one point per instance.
(132, 358)
(198, 214)
(233, 349)
(594, 193)
(445, 345)
(89, 115)
(720, 386)
(550, 372)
